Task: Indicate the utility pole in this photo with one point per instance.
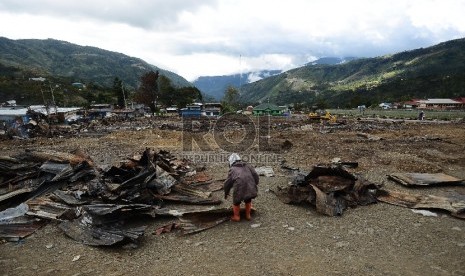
(124, 96)
(53, 99)
(158, 90)
(240, 74)
(45, 104)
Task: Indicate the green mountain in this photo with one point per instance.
(77, 63)
(433, 72)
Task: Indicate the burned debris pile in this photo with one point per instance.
(93, 205)
(330, 188)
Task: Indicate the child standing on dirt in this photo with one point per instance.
(243, 179)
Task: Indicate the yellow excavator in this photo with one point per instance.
(319, 115)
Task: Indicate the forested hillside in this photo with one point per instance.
(433, 72)
(61, 64)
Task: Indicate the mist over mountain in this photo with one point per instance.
(215, 86)
(331, 60)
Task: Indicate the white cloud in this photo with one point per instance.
(195, 38)
(437, 16)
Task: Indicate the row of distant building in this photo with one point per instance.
(10, 112)
(431, 104)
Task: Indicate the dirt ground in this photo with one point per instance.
(378, 239)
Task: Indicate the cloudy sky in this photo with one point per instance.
(215, 37)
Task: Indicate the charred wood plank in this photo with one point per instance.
(178, 212)
(15, 224)
(68, 199)
(14, 193)
(166, 228)
(120, 175)
(142, 178)
(108, 213)
(188, 199)
(190, 191)
(425, 179)
(60, 170)
(48, 209)
(210, 186)
(163, 182)
(328, 204)
(20, 178)
(105, 235)
(194, 223)
(333, 183)
(329, 170)
(294, 194)
(55, 156)
(455, 204)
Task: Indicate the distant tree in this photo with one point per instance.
(167, 93)
(298, 106)
(208, 98)
(148, 90)
(90, 96)
(170, 95)
(355, 101)
(320, 102)
(118, 91)
(187, 95)
(104, 97)
(230, 100)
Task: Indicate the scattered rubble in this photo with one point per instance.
(390, 227)
(97, 206)
(331, 189)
